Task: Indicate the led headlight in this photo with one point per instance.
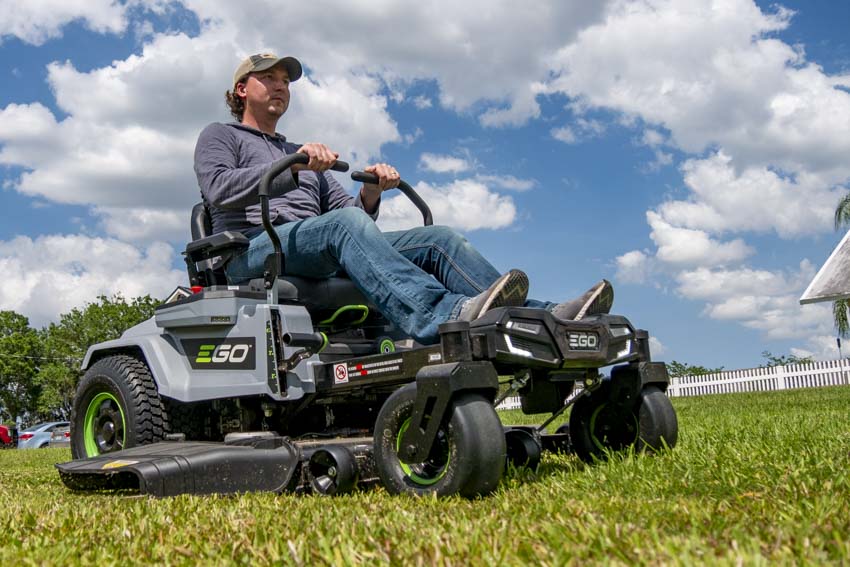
(525, 327)
(618, 332)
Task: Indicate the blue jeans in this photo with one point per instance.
(418, 278)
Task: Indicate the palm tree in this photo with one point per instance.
(841, 306)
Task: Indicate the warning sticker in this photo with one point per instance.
(382, 367)
(340, 374)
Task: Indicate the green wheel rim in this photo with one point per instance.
(429, 472)
(600, 443)
(104, 428)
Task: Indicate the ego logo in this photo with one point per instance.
(222, 353)
(218, 354)
(584, 341)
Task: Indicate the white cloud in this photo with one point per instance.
(653, 137)
(464, 204)
(656, 347)
(721, 284)
(775, 126)
(564, 134)
(36, 21)
(755, 199)
(507, 182)
(142, 225)
(582, 129)
(633, 267)
(409, 139)
(443, 164)
(459, 46)
(820, 347)
(758, 299)
(734, 86)
(422, 102)
(688, 247)
(52, 274)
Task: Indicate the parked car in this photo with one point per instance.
(38, 436)
(8, 438)
(61, 437)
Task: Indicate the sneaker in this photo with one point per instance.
(594, 301)
(509, 290)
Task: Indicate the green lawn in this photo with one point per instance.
(755, 478)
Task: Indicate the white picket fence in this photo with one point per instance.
(814, 375)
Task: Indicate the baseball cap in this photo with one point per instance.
(263, 61)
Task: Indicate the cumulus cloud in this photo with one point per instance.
(145, 225)
(49, 275)
(758, 299)
(767, 127)
(443, 164)
(464, 204)
(633, 267)
(35, 22)
(459, 46)
(689, 247)
(756, 199)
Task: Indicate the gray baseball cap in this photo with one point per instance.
(263, 61)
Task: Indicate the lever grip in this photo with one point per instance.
(405, 188)
(364, 177)
(306, 340)
(340, 166)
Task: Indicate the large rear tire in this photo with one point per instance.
(116, 406)
(598, 426)
(467, 457)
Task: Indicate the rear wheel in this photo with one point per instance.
(467, 457)
(599, 426)
(116, 406)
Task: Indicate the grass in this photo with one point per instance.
(756, 478)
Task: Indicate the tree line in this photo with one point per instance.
(40, 368)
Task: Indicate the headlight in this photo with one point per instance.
(618, 332)
(525, 327)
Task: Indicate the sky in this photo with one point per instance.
(692, 152)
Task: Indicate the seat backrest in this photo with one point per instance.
(200, 222)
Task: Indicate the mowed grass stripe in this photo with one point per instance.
(755, 478)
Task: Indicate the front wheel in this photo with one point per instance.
(467, 457)
(116, 406)
(599, 426)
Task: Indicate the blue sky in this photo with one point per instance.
(690, 152)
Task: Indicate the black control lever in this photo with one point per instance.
(411, 194)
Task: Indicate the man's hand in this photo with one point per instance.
(321, 157)
(370, 193)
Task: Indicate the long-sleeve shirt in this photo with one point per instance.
(230, 161)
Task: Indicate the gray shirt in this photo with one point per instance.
(230, 160)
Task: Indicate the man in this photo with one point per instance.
(418, 278)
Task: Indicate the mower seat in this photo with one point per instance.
(208, 254)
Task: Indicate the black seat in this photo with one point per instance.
(208, 254)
